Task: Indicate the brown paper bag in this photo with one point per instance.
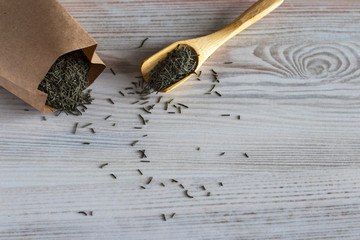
(33, 34)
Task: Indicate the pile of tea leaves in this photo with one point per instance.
(178, 64)
(65, 82)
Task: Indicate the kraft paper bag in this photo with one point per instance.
(33, 34)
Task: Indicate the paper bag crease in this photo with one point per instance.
(34, 33)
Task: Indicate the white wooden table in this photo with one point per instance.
(295, 82)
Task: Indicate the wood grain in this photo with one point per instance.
(294, 80)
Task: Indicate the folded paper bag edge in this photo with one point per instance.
(36, 35)
(73, 37)
(97, 66)
(37, 98)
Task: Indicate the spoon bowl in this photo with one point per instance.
(207, 45)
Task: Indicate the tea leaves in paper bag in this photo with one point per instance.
(66, 81)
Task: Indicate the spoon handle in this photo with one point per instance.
(257, 11)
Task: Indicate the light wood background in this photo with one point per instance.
(295, 81)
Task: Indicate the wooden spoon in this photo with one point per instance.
(206, 45)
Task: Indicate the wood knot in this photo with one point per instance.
(318, 63)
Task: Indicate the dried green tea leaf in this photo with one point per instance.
(65, 82)
(178, 64)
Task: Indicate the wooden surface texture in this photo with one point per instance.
(295, 82)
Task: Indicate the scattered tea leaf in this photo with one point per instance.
(183, 105)
(87, 125)
(110, 101)
(212, 88)
(147, 111)
(187, 194)
(142, 119)
(75, 127)
(143, 155)
(150, 107)
(149, 181)
(142, 43)
(113, 72)
(103, 165)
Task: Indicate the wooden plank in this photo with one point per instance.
(294, 80)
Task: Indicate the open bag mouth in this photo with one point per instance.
(37, 36)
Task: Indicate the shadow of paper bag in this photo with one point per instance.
(33, 34)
